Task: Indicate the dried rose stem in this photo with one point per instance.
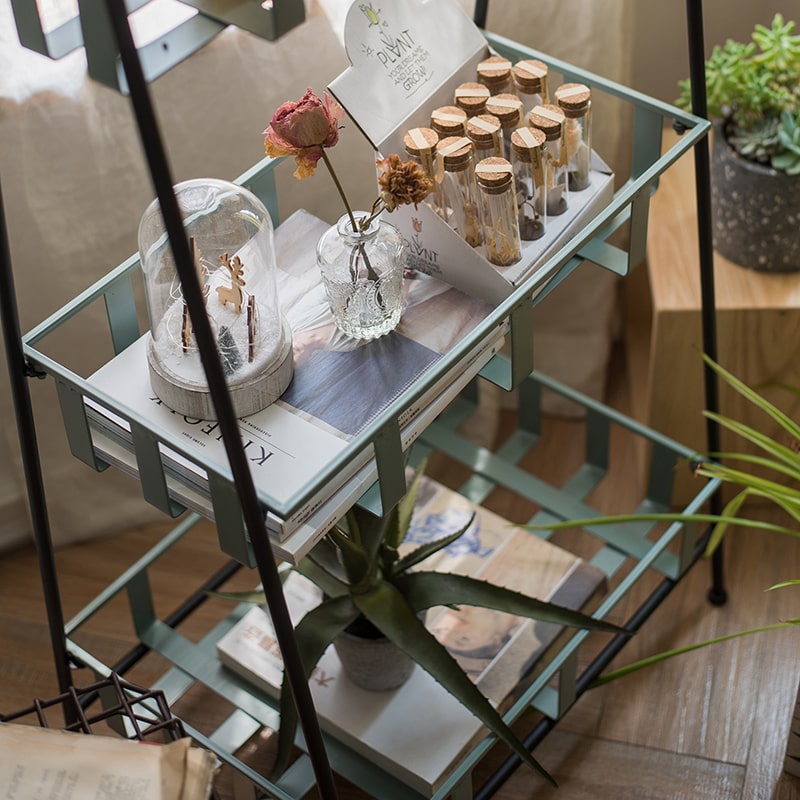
(371, 274)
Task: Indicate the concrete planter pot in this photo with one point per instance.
(371, 660)
(755, 211)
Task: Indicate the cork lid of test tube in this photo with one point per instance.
(456, 152)
(494, 173)
(482, 128)
(449, 120)
(548, 118)
(506, 107)
(573, 98)
(494, 71)
(525, 140)
(417, 140)
(528, 74)
(471, 97)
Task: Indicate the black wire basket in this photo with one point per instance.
(136, 713)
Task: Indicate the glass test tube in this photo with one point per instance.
(530, 83)
(461, 207)
(527, 159)
(508, 109)
(420, 145)
(486, 135)
(498, 210)
(550, 120)
(575, 100)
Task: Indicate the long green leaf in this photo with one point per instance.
(405, 508)
(354, 558)
(314, 633)
(426, 550)
(762, 440)
(388, 611)
(655, 517)
(424, 590)
(325, 555)
(754, 397)
(319, 574)
(792, 471)
(659, 657)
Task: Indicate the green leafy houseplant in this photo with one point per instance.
(773, 457)
(754, 89)
(362, 574)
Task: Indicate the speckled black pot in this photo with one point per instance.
(755, 211)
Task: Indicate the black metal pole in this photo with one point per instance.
(18, 374)
(697, 77)
(481, 10)
(253, 516)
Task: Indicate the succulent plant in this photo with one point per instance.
(750, 86)
(789, 159)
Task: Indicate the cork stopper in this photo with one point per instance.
(456, 152)
(449, 120)
(549, 119)
(494, 174)
(525, 141)
(482, 129)
(418, 139)
(530, 75)
(471, 98)
(506, 107)
(573, 99)
(494, 71)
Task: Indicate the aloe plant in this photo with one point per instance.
(361, 572)
(776, 457)
(750, 86)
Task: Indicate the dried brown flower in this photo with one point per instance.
(402, 182)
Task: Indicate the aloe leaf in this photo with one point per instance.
(319, 574)
(659, 657)
(314, 633)
(256, 596)
(405, 508)
(389, 612)
(426, 589)
(326, 556)
(754, 397)
(429, 548)
(354, 558)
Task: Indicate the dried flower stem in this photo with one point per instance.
(357, 226)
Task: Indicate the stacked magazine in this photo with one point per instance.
(340, 385)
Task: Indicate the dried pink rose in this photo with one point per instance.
(302, 129)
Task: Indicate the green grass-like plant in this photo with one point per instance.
(773, 455)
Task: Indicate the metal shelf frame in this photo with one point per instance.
(630, 205)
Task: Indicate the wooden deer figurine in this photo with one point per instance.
(233, 293)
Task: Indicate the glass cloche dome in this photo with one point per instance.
(231, 236)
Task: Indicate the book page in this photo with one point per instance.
(56, 765)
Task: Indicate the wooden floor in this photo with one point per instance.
(712, 724)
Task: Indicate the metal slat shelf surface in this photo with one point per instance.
(625, 555)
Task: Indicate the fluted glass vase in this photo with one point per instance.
(362, 271)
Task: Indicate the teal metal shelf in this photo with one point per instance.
(626, 555)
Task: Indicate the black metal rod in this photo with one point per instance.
(585, 680)
(34, 483)
(697, 78)
(481, 10)
(253, 515)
